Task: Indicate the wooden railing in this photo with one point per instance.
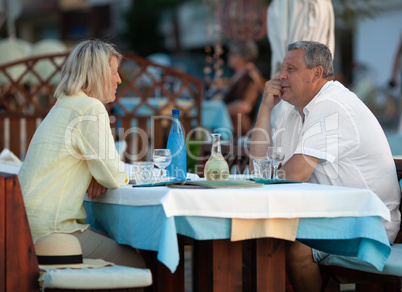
(27, 89)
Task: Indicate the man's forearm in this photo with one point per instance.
(261, 137)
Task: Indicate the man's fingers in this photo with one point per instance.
(274, 88)
(276, 77)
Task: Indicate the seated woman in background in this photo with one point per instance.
(73, 152)
(245, 86)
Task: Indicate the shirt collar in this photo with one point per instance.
(312, 102)
(79, 93)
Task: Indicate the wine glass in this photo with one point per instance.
(162, 158)
(276, 154)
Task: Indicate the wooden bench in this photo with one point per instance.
(19, 270)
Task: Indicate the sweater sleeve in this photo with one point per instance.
(95, 142)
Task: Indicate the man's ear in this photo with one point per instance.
(318, 71)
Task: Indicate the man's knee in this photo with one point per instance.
(298, 253)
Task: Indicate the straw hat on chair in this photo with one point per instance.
(62, 266)
(62, 250)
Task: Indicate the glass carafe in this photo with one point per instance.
(216, 167)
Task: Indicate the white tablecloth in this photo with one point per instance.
(9, 168)
(271, 201)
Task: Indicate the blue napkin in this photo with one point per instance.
(162, 183)
(273, 181)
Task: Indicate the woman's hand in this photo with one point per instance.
(95, 189)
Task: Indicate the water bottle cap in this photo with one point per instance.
(175, 111)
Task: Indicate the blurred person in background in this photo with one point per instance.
(72, 153)
(245, 87)
(396, 78)
(396, 66)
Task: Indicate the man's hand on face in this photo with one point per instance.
(272, 92)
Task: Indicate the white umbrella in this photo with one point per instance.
(12, 9)
(289, 21)
(45, 68)
(12, 50)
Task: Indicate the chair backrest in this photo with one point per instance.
(18, 263)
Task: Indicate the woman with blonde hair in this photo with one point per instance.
(72, 153)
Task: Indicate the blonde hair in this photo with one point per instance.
(87, 68)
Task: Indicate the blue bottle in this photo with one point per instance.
(176, 144)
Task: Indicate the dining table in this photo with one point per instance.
(238, 234)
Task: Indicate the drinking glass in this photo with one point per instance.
(162, 158)
(262, 168)
(143, 172)
(276, 154)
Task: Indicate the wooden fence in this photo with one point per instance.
(140, 115)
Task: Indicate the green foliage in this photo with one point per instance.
(193, 153)
(142, 20)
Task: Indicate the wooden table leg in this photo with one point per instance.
(202, 266)
(227, 265)
(271, 265)
(217, 266)
(163, 279)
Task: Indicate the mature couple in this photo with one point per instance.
(330, 137)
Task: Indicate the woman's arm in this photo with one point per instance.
(95, 141)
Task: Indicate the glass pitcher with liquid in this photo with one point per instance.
(216, 167)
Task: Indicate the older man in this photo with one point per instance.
(330, 137)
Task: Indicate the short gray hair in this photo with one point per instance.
(315, 54)
(87, 68)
